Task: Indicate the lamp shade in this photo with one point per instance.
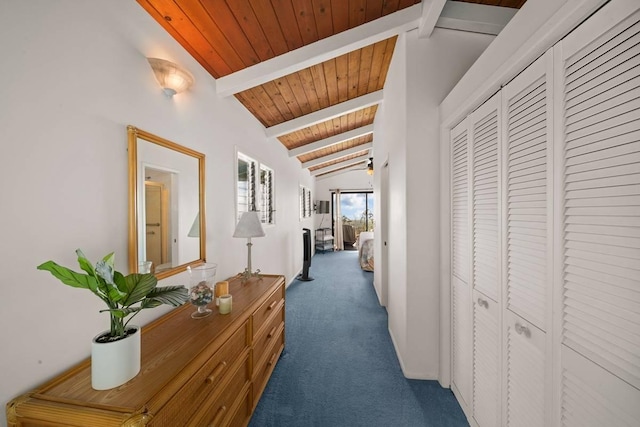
(173, 78)
(249, 226)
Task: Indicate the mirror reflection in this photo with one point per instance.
(166, 198)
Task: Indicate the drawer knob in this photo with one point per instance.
(271, 332)
(520, 329)
(216, 372)
(273, 304)
(219, 415)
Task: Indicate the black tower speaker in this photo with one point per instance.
(306, 243)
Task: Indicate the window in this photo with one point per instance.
(305, 202)
(255, 189)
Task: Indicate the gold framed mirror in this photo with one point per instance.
(166, 205)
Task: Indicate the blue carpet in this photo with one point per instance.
(339, 367)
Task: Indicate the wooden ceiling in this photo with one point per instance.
(322, 110)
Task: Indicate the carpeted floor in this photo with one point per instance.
(339, 367)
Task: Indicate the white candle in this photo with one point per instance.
(225, 304)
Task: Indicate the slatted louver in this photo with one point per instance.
(461, 339)
(525, 384)
(591, 397)
(460, 209)
(485, 204)
(601, 286)
(527, 247)
(486, 392)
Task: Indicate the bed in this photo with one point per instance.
(365, 250)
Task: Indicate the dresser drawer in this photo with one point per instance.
(270, 306)
(264, 367)
(205, 381)
(243, 413)
(219, 409)
(268, 335)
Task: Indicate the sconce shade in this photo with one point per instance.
(171, 77)
(370, 166)
(249, 226)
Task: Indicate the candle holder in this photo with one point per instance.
(201, 292)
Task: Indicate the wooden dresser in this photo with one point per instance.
(205, 372)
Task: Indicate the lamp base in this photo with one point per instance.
(248, 274)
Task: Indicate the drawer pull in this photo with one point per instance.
(211, 378)
(271, 332)
(219, 415)
(272, 360)
(522, 330)
(483, 302)
(273, 304)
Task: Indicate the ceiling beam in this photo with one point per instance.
(476, 18)
(325, 114)
(339, 172)
(356, 161)
(332, 140)
(347, 41)
(431, 10)
(334, 156)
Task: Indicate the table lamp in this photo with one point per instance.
(249, 226)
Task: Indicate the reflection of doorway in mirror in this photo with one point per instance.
(156, 219)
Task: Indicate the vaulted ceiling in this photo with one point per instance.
(313, 71)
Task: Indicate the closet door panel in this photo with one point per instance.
(461, 322)
(462, 337)
(486, 361)
(460, 202)
(601, 245)
(525, 371)
(592, 397)
(528, 182)
(484, 126)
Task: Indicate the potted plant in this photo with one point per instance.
(115, 354)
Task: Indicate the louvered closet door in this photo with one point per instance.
(461, 348)
(525, 368)
(599, 68)
(484, 140)
(527, 165)
(486, 361)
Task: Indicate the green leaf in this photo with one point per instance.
(68, 276)
(85, 264)
(171, 295)
(137, 286)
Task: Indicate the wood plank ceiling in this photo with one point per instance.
(227, 36)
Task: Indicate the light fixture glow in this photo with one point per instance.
(370, 166)
(171, 77)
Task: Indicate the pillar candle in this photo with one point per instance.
(222, 288)
(225, 304)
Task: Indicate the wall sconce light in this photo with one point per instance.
(370, 166)
(172, 77)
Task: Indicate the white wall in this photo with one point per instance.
(422, 73)
(74, 76)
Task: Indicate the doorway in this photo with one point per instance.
(356, 211)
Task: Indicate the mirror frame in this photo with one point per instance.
(134, 134)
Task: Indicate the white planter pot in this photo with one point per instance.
(115, 363)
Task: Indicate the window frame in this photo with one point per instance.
(253, 197)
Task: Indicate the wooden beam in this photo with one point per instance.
(332, 140)
(476, 18)
(325, 114)
(333, 156)
(356, 161)
(320, 51)
(339, 172)
(431, 10)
